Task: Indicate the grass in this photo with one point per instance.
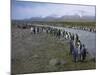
(25, 46)
(62, 24)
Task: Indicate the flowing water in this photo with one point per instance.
(86, 37)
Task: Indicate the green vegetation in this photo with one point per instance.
(63, 24)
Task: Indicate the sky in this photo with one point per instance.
(26, 10)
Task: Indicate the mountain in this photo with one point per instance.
(69, 18)
(77, 18)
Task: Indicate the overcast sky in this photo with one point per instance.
(25, 10)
